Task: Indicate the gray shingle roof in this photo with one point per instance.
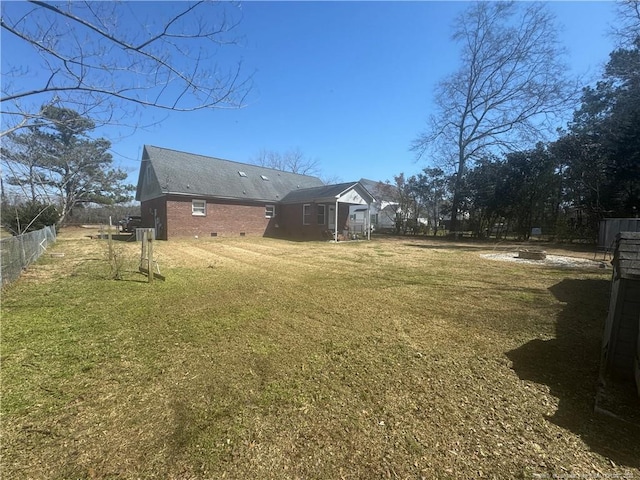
(323, 193)
(198, 175)
(381, 190)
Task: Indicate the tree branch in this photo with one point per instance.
(86, 71)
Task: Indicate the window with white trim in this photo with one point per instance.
(199, 208)
(322, 214)
(306, 214)
(269, 211)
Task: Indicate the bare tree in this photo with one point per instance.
(106, 59)
(293, 160)
(627, 27)
(509, 91)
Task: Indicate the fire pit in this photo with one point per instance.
(532, 254)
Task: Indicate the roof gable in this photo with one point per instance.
(182, 173)
(351, 192)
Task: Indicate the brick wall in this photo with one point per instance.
(290, 222)
(225, 219)
(173, 217)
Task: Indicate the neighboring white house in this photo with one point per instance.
(382, 211)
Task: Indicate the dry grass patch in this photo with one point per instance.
(259, 358)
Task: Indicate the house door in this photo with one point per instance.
(332, 218)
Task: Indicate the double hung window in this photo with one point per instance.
(322, 215)
(270, 211)
(306, 214)
(199, 208)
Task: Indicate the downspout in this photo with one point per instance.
(336, 223)
(368, 222)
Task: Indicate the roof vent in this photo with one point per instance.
(264, 177)
(241, 173)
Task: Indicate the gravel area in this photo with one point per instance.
(551, 260)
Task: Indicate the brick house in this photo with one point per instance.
(184, 195)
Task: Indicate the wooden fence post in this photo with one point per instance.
(146, 257)
(149, 235)
(110, 240)
(143, 251)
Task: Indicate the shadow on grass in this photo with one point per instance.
(132, 280)
(569, 366)
(124, 237)
(116, 237)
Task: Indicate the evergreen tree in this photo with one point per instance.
(60, 164)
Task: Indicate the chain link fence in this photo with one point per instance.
(16, 253)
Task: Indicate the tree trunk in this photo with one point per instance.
(457, 187)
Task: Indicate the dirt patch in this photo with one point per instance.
(550, 260)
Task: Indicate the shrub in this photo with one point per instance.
(29, 216)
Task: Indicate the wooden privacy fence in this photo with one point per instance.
(620, 357)
(18, 252)
(610, 228)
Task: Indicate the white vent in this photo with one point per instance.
(241, 173)
(264, 177)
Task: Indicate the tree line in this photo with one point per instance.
(505, 97)
(509, 91)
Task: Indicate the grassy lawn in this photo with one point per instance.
(258, 358)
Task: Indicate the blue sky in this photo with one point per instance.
(350, 84)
